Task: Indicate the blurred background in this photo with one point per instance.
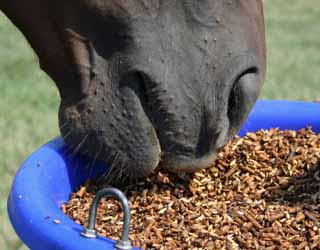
(29, 99)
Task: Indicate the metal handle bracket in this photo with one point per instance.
(124, 243)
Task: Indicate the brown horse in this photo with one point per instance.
(148, 80)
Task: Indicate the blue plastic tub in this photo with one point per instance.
(46, 179)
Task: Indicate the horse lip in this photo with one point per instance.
(184, 164)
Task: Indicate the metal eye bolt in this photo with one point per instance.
(124, 243)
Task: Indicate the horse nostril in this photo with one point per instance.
(242, 96)
(134, 81)
(234, 103)
(140, 84)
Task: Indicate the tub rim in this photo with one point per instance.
(35, 214)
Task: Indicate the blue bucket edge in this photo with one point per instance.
(36, 216)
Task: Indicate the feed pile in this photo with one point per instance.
(262, 192)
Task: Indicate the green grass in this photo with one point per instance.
(293, 39)
(29, 100)
(28, 114)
